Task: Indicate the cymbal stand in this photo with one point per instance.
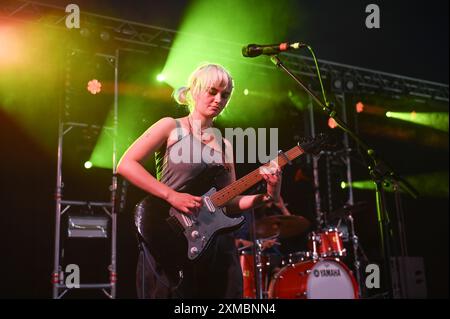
(259, 270)
(355, 245)
(261, 291)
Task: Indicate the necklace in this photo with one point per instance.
(191, 126)
(204, 137)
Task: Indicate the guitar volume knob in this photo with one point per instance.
(194, 250)
(195, 234)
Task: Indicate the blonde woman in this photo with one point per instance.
(163, 269)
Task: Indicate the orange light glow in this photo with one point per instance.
(10, 46)
(359, 107)
(332, 123)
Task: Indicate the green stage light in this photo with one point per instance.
(343, 185)
(30, 78)
(200, 41)
(87, 164)
(161, 77)
(246, 92)
(300, 103)
(436, 120)
(433, 184)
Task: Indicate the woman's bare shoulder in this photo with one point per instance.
(171, 127)
(165, 122)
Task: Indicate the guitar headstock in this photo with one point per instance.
(313, 145)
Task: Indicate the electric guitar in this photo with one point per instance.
(200, 228)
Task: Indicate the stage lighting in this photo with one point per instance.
(337, 84)
(94, 86)
(160, 77)
(11, 48)
(350, 85)
(332, 123)
(359, 107)
(105, 36)
(87, 164)
(85, 32)
(246, 92)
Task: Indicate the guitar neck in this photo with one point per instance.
(236, 188)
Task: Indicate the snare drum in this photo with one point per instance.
(314, 279)
(327, 243)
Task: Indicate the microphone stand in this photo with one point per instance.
(379, 172)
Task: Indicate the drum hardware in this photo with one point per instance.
(327, 243)
(255, 274)
(346, 210)
(255, 267)
(259, 269)
(346, 213)
(356, 262)
(324, 245)
(325, 249)
(296, 257)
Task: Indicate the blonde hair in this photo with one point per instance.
(202, 79)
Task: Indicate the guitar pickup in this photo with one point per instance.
(209, 204)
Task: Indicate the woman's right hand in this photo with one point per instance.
(184, 202)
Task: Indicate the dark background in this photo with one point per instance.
(412, 41)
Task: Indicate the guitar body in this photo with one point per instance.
(175, 238)
(199, 229)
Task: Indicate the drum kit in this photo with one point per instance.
(317, 273)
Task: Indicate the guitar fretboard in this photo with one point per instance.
(236, 188)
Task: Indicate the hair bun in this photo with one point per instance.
(180, 95)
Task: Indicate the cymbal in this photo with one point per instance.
(346, 210)
(284, 226)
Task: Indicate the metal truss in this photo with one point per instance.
(345, 78)
(348, 78)
(60, 288)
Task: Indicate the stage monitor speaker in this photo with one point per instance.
(408, 278)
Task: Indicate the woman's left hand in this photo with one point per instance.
(272, 175)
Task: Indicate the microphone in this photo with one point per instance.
(254, 50)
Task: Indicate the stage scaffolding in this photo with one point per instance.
(84, 225)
